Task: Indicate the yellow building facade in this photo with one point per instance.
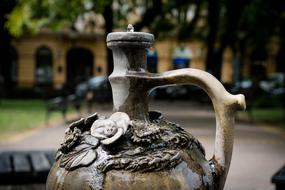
(60, 58)
(57, 48)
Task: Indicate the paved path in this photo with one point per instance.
(259, 151)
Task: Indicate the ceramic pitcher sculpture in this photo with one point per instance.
(136, 148)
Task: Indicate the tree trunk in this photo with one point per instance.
(149, 15)
(108, 16)
(213, 55)
(281, 58)
(186, 32)
(6, 83)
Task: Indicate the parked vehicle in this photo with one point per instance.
(183, 92)
(275, 81)
(267, 92)
(99, 86)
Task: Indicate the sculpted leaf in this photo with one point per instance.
(78, 158)
(90, 140)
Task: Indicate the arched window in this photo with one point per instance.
(44, 65)
(13, 65)
(79, 63)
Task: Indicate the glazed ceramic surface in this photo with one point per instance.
(136, 148)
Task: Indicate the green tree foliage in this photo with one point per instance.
(234, 24)
(32, 15)
(240, 24)
(156, 15)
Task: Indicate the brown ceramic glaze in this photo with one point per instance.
(138, 149)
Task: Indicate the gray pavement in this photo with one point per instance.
(259, 151)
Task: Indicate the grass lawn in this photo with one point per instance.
(275, 116)
(19, 115)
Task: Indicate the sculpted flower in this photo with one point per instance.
(111, 129)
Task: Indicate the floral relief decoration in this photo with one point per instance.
(151, 145)
(84, 136)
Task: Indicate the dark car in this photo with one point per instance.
(181, 92)
(269, 92)
(99, 86)
(273, 82)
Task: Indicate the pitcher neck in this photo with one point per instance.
(130, 94)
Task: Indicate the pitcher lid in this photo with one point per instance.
(130, 39)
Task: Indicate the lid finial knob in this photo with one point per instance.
(130, 28)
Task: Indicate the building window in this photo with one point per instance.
(44, 65)
(13, 64)
(79, 62)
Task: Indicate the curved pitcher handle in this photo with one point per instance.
(225, 105)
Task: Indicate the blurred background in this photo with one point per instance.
(54, 65)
